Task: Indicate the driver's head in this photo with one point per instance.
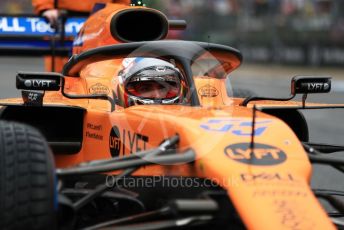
(150, 81)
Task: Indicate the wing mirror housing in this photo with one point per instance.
(38, 81)
(306, 85)
(33, 83)
(300, 85)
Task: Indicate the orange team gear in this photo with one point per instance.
(82, 6)
(75, 5)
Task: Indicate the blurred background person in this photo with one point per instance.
(50, 9)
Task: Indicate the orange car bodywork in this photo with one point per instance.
(275, 195)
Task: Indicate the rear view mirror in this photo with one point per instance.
(306, 85)
(38, 81)
(300, 85)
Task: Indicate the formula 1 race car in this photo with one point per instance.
(91, 149)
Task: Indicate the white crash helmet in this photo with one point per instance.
(150, 81)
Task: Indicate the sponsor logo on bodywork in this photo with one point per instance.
(32, 98)
(99, 89)
(115, 141)
(94, 136)
(208, 91)
(293, 215)
(318, 87)
(126, 142)
(94, 126)
(274, 183)
(92, 131)
(38, 83)
(267, 177)
(237, 127)
(279, 193)
(262, 154)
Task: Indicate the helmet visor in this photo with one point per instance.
(154, 89)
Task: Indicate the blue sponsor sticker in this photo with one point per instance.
(235, 126)
(36, 26)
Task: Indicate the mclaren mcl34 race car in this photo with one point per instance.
(139, 132)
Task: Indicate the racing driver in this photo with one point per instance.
(149, 81)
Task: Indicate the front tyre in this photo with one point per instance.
(27, 180)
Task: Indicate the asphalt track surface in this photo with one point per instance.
(325, 126)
